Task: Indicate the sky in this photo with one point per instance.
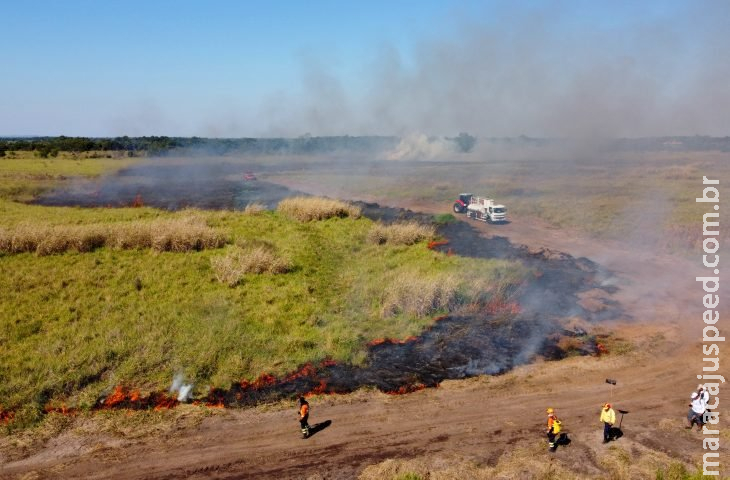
(289, 68)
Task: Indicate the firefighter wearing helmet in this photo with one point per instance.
(553, 428)
(608, 417)
(304, 417)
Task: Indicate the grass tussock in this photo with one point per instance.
(231, 268)
(254, 208)
(414, 295)
(169, 235)
(400, 233)
(306, 209)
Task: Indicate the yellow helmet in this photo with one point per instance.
(550, 410)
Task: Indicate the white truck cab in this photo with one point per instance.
(482, 208)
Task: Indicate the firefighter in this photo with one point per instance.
(304, 416)
(697, 409)
(608, 417)
(553, 428)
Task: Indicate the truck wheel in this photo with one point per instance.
(458, 208)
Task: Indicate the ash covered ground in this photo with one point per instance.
(172, 186)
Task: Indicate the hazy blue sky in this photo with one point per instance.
(230, 68)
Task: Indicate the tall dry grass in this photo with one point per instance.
(305, 209)
(400, 233)
(415, 295)
(169, 235)
(231, 268)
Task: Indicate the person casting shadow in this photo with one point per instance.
(318, 427)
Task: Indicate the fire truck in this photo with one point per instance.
(480, 208)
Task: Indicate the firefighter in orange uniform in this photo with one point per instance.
(304, 416)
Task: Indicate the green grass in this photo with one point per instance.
(74, 325)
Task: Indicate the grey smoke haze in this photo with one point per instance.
(533, 74)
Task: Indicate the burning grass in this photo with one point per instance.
(306, 209)
(184, 234)
(406, 233)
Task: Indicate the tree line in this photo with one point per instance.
(51, 146)
(158, 146)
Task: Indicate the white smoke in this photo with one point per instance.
(418, 146)
(184, 390)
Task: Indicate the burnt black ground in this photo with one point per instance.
(212, 186)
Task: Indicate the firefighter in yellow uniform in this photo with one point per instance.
(553, 428)
(608, 417)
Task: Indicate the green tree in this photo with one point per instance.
(465, 142)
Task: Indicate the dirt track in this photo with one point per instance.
(477, 419)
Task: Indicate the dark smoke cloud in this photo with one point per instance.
(538, 72)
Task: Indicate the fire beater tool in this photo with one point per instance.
(613, 383)
(622, 412)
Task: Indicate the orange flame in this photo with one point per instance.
(63, 409)
(498, 306)
(404, 389)
(118, 396)
(318, 390)
(392, 341)
(434, 243)
(307, 370)
(6, 416)
(328, 362)
(165, 403)
(121, 398)
(137, 203)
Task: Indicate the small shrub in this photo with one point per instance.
(55, 241)
(231, 268)
(418, 296)
(444, 218)
(25, 238)
(400, 233)
(133, 235)
(305, 209)
(88, 239)
(184, 235)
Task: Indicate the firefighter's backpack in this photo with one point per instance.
(557, 425)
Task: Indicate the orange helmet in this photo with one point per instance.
(550, 410)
